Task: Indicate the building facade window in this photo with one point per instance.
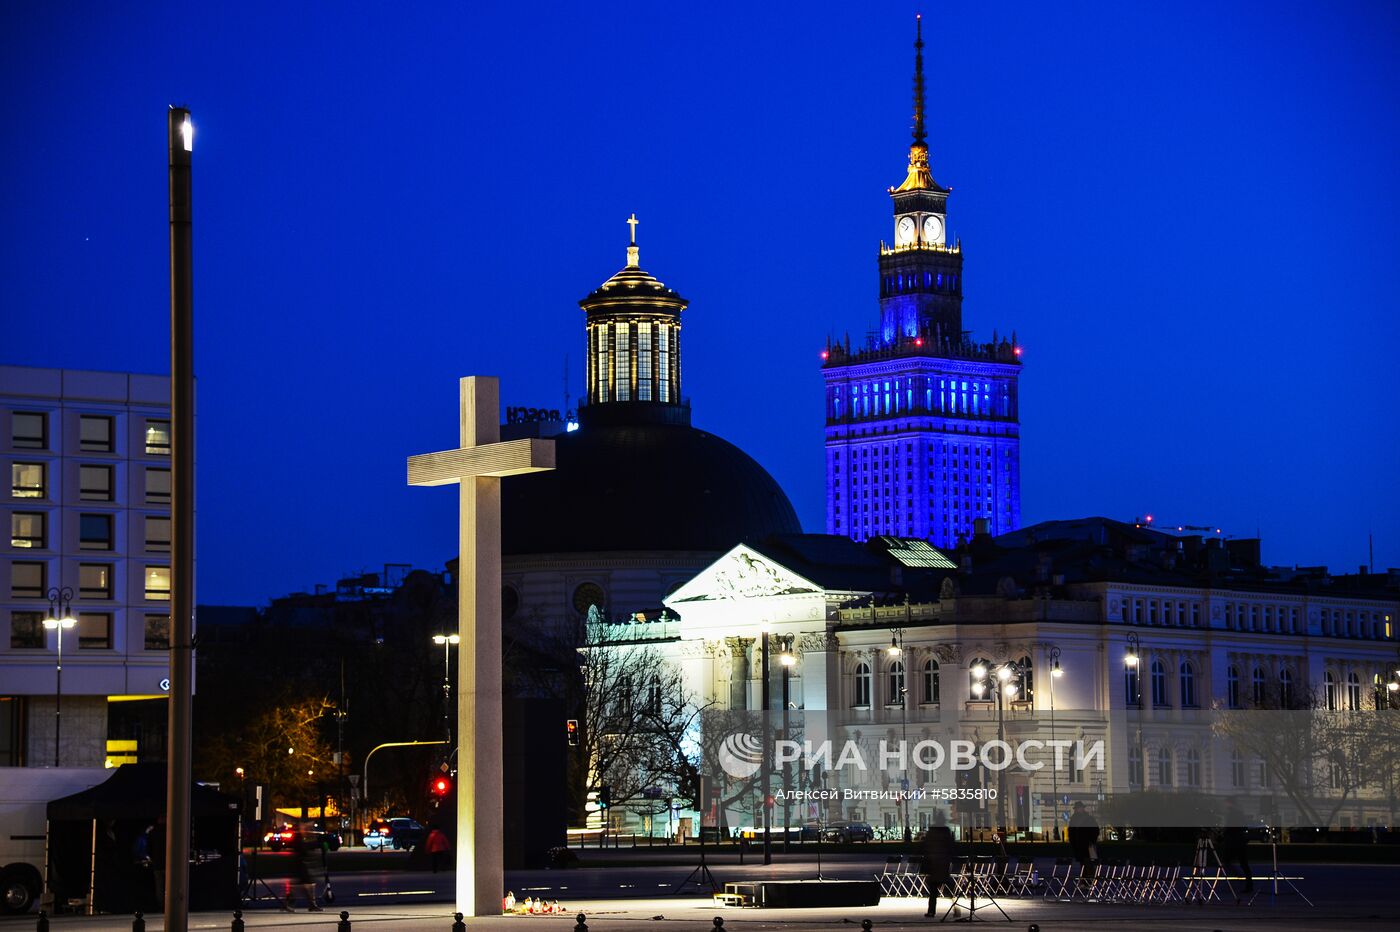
(1285, 688)
(94, 532)
(1188, 685)
(1131, 694)
(157, 486)
(157, 437)
(1193, 767)
(158, 584)
(26, 630)
(95, 433)
(860, 693)
(95, 580)
(157, 534)
(29, 480)
(157, 633)
(94, 631)
(95, 483)
(1135, 765)
(1159, 684)
(1164, 767)
(29, 430)
(28, 580)
(931, 682)
(1353, 693)
(1330, 690)
(1027, 678)
(895, 681)
(1257, 693)
(28, 530)
(1232, 686)
(1238, 776)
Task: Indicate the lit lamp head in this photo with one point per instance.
(979, 672)
(894, 647)
(1004, 673)
(1393, 686)
(1009, 690)
(787, 659)
(978, 688)
(66, 621)
(447, 638)
(1131, 660)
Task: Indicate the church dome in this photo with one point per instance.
(642, 486)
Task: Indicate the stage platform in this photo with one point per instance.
(804, 894)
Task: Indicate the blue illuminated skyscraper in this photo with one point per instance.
(922, 423)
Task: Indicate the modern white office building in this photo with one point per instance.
(87, 512)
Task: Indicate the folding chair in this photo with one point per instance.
(1022, 879)
(889, 884)
(1057, 883)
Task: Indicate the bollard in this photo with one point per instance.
(138, 922)
(237, 921)
(344, 924)
(43, 925)
(719, 922)
(1034, 927)
(457, 924)
(582, 924)
(866, 925)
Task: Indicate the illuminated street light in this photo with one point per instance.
(60, 619)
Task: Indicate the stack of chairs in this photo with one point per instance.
(903, 877)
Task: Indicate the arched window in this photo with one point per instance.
(894, 694)
(1132, 694)
(653, 706)
(980, 687)
(1353, 692)
(1135, 765)
(1159, 684)
(1285, 688)
(1232, 686)
(1330, 691)
(930, 681)
(1238, 775)
(1164, 767)
(861, 694)
(1027, 678)
(1257, 693)
(1193, 767)
(1188, 685)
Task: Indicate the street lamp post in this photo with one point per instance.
(447, 641)
(1132, 664)
(1007, 675)
(896, 650)
(59, 619)
(767, 740)
(1055, 674)
(787, 660)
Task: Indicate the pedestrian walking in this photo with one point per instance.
(438, 846)
(938, 859)
(1234, 844)
(308, 858)
(1083, 835)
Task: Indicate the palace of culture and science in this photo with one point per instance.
(922, 423)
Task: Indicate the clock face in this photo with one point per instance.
(933, 229)
(905, 231)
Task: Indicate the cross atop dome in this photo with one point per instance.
(633, 254)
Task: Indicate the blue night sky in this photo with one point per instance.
(1187, 213)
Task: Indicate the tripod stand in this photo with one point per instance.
(704, 878)
(1198, 885)
(969, 881)
(248, 892)
(1274, 876)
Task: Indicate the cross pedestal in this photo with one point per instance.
(476, 468)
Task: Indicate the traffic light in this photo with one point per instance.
(440, 786)
(571, 727)
(605, 797)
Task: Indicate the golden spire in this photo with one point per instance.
(919, 177)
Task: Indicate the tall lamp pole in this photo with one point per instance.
(896, 650)
(60, 619)
(1132, 663)
(787, 659)
(448, 641)
(767, 740)
(1055, 674)
(1007, 676)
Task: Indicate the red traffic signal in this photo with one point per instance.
(440, 786)
(571, 728)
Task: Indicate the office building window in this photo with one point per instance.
(95, 433)
(94, 532)
(158, 486)
(157, 534)
(158, 584)
(28, 480)
(27, 580)
(95, 483)
(29, 430)
(158, 438)
(27, 530)
(157, 632)
(95, 580)
(94, 630)
(26, 630)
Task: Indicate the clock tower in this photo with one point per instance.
(921, 274)
(922, 422)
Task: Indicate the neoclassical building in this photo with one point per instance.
(1107, 632)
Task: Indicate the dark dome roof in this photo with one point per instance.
(642, 487)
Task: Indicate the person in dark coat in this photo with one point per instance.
(938, 859)
(309, 858)
(1234, 844)
(1083, 835)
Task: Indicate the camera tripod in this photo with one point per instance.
(1201, 886)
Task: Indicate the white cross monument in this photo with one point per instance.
(477, 467)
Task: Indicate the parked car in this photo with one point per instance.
(281, 838)
(848, 831)
(401, 834)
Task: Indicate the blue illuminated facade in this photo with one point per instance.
(922, 423)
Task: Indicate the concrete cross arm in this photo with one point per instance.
(510, 458)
